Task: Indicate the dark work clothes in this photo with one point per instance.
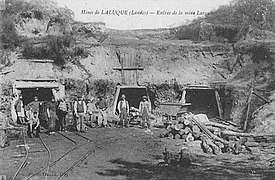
(80, 107)
(52, 106)
(34, 106)
(35, 132)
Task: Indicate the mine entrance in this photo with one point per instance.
(43, 94)
(203, 100)
(133, 96)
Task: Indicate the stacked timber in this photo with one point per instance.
(183, 128)
(214, 136)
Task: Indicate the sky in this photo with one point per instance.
(125, 14)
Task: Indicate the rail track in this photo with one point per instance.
(78, 144)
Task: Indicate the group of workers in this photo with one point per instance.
(28, 114)
(144, 110)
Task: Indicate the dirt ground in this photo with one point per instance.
(130, 153)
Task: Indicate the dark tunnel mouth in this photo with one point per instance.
(203, 101)
(133, 96)
(43, 94)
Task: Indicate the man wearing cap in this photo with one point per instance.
(19, 107)
(123, 109)
(80, 110)
(102, 105)
(145, 109)
(34, 106)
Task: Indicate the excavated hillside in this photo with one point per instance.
(247, 63)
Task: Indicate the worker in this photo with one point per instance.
(123, 109)
(5, 123)
(33, 125)
(91, 110)
(19, 107)
(52, 117)
(13, 111)
(145, 109)
(102, 105)
(62, 111)
(34, 106)
(80, 110)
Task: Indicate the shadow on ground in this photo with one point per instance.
(137, 170)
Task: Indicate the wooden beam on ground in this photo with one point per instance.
(128, 68)
(261, 97)
(221, 126)
(232, 133)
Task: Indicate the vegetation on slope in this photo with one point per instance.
(229, 20)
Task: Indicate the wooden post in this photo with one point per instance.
(248, 109)
(218, 103)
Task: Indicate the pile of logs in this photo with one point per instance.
(214, 136)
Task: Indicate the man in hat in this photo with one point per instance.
(52, 116)
(102, 105)
(19, 107)
(145, 109)
(123, 109)
(34, 106)
(80, 110)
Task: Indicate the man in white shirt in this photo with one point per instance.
(80, 110)
(123, 109)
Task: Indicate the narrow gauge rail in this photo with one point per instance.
(61, 157)
(77, 145)
(25, 159)
(27, 155)
(91, 150)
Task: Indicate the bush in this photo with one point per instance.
(188, 32)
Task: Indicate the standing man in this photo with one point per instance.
(62, 111)
(80, 110)
(91, 109)
(19, 107)
(102, 105)
(145, 109)
(52, 117)
(123, 109)
(34, 106)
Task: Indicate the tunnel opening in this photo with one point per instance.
(133, 96)
(43, 94)
(203, 101)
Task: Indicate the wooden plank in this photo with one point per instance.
(207, 132)
(221, 126)
(176, 104)
(232, 133)
(128, 68)
(248, 109)
(261, 97)
(219, 104)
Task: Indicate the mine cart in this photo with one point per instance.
(171, 111)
